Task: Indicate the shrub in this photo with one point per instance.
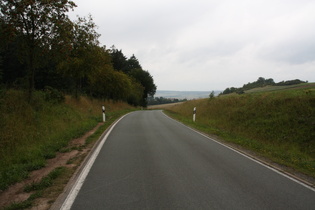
(54, 95)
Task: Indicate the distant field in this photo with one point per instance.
(277, 88)
(163, 106)
(184, 94)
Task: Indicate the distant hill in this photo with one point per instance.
(184, 94)
(260, 83)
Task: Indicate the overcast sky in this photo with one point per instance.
(209, 45)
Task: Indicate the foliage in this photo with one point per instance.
(132, 68)
(132, 64)
(13, 70)
(290, 82)
(121, 63)
(35, 23)
(107, 83)
(261, 82)
(162, 100)
(1, 73)
(119, 60)
(53, 95)
(41, 46)
(211, 95)
(83, 53)
(146, 80)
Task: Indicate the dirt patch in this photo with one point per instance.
(15, 193)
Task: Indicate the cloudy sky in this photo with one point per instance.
(209, 45)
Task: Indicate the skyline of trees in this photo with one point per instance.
(34, 26)
(40, 46)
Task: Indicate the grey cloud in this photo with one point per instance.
(208, 44)
(295, 54)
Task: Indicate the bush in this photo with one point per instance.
(54, 95)
(211, 95)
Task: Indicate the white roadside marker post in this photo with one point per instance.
(104, 117)
(194, 114)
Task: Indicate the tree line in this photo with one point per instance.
(261, 82)
(40, 47)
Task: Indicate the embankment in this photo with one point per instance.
(279, 125)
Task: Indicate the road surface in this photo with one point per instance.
(150, 161)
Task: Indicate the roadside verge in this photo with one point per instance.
(66, 199)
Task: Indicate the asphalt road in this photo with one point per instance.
(150, 161)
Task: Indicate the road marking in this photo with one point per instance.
(79, 182)
(247, 156)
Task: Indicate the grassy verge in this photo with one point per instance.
(37, 189)
(279, 125)
(31, 133)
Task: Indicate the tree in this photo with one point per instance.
(14, 72)
(132, 68)
(132, 63)
(211, 95)
(84, 54)
(37, 23)
(261, 81)
(121, 63)
(119, 60)
(106, 83)
(1, 59)
(1, 73)
(146, 80)
(135, 93)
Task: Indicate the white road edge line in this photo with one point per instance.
(261, 163)
(67, 204)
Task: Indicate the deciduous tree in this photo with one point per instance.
(36, 22)
(84, 55)
(146, 80)
(131, 64)
(119, 60)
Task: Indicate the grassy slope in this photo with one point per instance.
(278, 124)
(303, 86)
(32, 133)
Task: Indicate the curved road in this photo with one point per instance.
(150, 161)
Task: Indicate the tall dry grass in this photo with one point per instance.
(32, 132)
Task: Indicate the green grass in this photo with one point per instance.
(31, 133)
(279, 125)
(46, 181)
